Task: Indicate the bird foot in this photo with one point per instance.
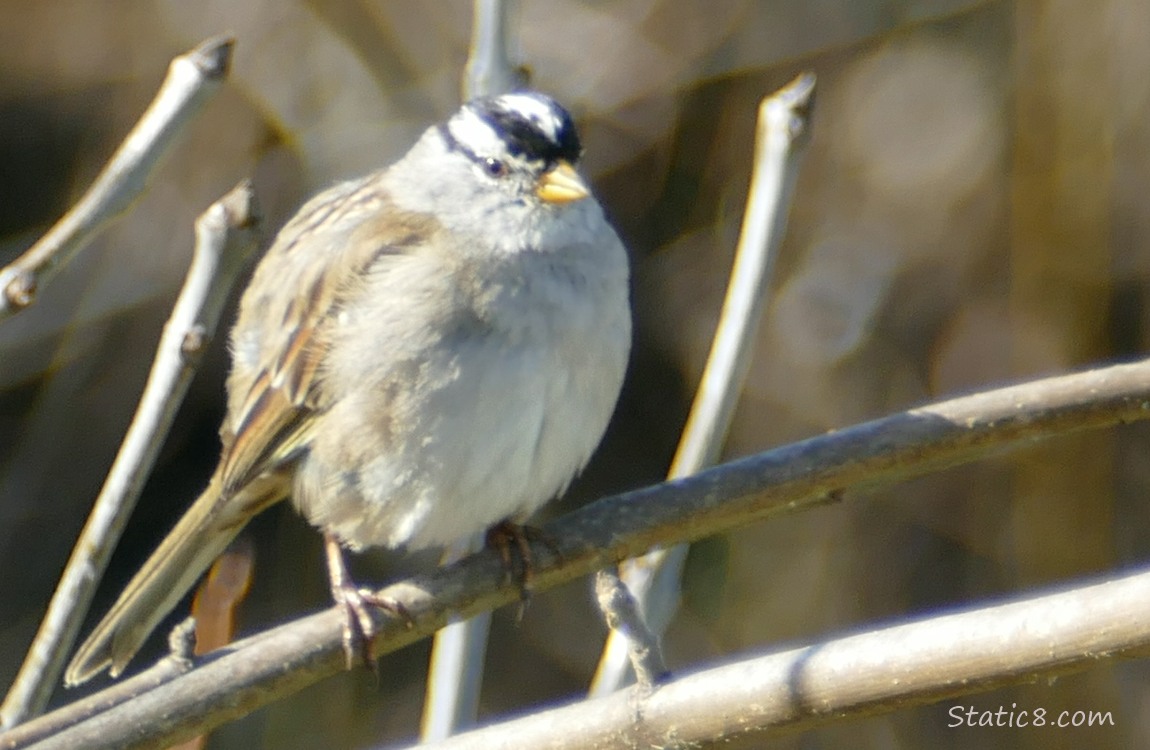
(356, 604)
(513, 543)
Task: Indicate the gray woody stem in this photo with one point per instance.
(455, 674)
(225, 237)
(256, 671)
(621, 611)
(489, 68)
(762, 698)
(781, 133)
(192, 78)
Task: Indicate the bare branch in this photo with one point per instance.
(881, 671)
(72, 714)
(455, 674)
(235, 681)
(192, 78)
(225, 236)
(489, 68)
(781, 133)
(621, 611)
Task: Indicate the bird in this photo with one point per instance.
(421, 354)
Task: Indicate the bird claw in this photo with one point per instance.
(513, 543)
(359, 627)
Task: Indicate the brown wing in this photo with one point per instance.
(279, 342)
(280, 339)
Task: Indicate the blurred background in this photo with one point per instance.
(972, 211)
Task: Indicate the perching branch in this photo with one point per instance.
(256, 671)
(912, 664)
(192, 79)
(782, 131)
(225, 237)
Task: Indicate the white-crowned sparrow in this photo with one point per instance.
(422, 353)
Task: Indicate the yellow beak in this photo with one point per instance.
(561, 184)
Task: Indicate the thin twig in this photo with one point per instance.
(781, 133)
(192, 78)
(912, 664)
(263, 668)
(225, 236)
(60, 720)
(490, 69)
(621, 612)
(455, 674)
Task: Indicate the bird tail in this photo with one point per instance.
(189, 549)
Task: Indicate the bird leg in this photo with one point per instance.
(358, 624)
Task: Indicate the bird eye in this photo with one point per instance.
(494, 167)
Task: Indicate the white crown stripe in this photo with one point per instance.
(539, 112)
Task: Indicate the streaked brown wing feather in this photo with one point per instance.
(279, 342)
(269, 424)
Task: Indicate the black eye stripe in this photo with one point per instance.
(485, 162)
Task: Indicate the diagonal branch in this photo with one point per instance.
(911, 664)
(254, 672)
(225, 237)
(781, 134)
(192, 79)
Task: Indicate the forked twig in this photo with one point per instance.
(621, 611)
(192, 78)
(225, 236)
(782, 131)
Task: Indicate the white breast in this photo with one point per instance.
(457, 422)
